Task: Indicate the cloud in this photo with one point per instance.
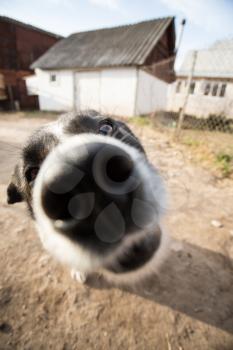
(111, 4)
(206, 14)
(66, 3)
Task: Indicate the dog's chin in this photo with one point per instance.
(130, 253)
(132, 257)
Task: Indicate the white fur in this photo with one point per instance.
(78, 276)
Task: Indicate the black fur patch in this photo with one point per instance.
(38, 147)
(90, 122)
(81, 123)
(13, 194)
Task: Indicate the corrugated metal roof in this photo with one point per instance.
(211, 63)
(28, 26)
(118, 46)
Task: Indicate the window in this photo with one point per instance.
(192, 88)
(178, 86)
(223, 90)
(53, 78)
(215, 90)
(207, 89)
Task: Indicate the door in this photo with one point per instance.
(87, 90)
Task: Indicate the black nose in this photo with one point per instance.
(86, 182)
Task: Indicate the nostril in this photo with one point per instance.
(119, 168)
(55, 205)
(60, 180)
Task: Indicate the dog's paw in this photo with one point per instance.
(78, 276)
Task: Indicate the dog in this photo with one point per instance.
(95, 198)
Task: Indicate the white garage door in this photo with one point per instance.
(87, 90)
(111, 90)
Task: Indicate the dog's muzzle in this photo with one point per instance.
(97, 192)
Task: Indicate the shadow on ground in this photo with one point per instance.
(195, 281)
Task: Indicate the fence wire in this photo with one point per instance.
(202, 96)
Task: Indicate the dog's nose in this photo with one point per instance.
(86, 181)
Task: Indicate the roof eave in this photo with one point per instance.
(50, 68)
(163, 30)
(205, 75)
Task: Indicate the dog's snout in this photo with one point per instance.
(82, 185)
(96, 197)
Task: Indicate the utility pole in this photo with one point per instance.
(183, 22)
(182, 111)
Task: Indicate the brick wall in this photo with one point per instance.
(20, 46)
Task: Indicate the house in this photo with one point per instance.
(211, 88)
(20, 45)
(122, 70)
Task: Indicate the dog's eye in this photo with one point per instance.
(106, 129)
(31, 173)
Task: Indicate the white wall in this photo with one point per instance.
(119, 91)
(199, 104)
(109, 90)
(151, 94)
(57, 95)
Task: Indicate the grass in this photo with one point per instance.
(191, 142)
(140, 120)
(211, 151)
(225, 163)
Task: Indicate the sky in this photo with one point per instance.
(206, 20)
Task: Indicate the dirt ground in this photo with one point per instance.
(189, 305)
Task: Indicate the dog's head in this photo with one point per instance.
(93, 193)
